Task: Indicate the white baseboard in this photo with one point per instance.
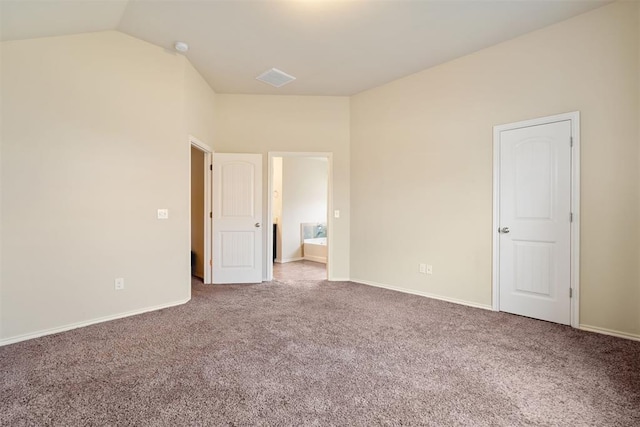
(285, 260)
(70, 326)
(588, 328)
(611, 332)
(315, 259)
(423, 294)
(339, 279)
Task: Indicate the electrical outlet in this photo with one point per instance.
(119, 283)
(429, 269)
(163, 213)
(422, 268)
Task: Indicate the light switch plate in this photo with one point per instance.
(336, 214)
(163, 213)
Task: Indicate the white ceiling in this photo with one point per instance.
(332, 47)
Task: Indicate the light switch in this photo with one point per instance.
(336, 214)
(163, 213)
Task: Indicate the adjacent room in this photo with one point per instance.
(319, 212)
(197, 213)
(299, 206)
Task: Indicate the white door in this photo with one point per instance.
(237, 218)
(534, 221)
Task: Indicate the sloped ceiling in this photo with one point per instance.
(332, 47)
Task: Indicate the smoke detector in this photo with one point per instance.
(181, 47)
(275, 77)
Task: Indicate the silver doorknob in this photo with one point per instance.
(257, 225)
(504, 230)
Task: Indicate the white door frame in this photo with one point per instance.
(574, 117)
(208, 207)
(270, 237)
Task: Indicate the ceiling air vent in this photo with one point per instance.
(275, 77)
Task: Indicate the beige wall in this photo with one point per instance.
(199, 104)
(93, 143)
(304, 199)
(2, 106)
(263, 123)
(421, 150)
(276, 204)
(197, 209)
(199, 115)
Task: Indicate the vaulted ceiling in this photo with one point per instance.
(333, 47)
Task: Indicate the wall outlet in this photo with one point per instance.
(429, 269)
(163, 213)
(119, 284)
(422, 268)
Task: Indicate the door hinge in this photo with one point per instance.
(210, 262)
(210, 167)
(570, 292)
(571, 217)
(570, 141)
(210, 214)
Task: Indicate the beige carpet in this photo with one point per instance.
(299, 270)
(319, 353)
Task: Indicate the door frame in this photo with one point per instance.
(269, 227)
(208, 205)
(574, 118)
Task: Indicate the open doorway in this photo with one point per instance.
(299, 237)
(200, 211)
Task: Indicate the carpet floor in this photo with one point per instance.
(320, 353)
(299, 270)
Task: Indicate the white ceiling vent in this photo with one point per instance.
(275, 77)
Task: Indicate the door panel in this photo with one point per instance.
(535, 205)
(237, 218)
(237, 249)
(533, 179)
(237, 181)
